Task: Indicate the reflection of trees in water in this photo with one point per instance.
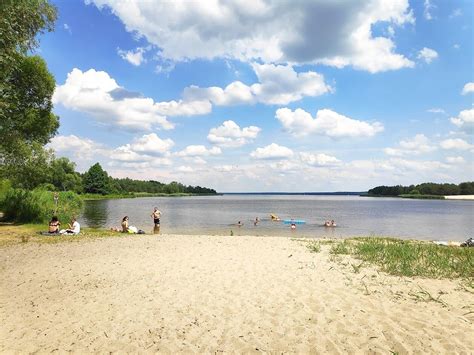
(95, 213)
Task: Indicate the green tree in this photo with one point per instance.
(29, 167)
(20, 22)
(64, 176)
(26, 89)
(96, 180)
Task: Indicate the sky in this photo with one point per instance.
(260, 95)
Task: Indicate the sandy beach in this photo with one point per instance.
(173, 293)
(459, 197)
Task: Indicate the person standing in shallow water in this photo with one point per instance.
(156, 215)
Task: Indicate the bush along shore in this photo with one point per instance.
(38, 206)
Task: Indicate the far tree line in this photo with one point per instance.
(427, 188)
(59, 174)
(97, 181)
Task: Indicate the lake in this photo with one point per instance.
(355, 215)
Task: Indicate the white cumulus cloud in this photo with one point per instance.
(184, 169)
(417, 145)
(272, 151)
(229, 134)
(233, 94)
(319, 159)
(134, 57)
(184, 108)
(456, 144)
(151, 144)
(326, 122)
(278, 84)
(281, 84)
(427, 55)
(99, 95)
(330, 32)
(455, 160)
(428, 8)
(76, 147)
(468, 88)
(143, 152)
(198, 151)
(465, 120)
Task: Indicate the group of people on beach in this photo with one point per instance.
(74, 227)
(125, 227)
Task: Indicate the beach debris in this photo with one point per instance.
(468, 243)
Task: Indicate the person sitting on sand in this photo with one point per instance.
(126, 228)
(125, 224)
(54, 224)
(239, 224)
(74, 227)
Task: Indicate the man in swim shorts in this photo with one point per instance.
(156, 215)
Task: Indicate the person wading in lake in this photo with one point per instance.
(156, 215)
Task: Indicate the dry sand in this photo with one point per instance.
(459, 197)
(213, 294)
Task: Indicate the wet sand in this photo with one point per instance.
(210, 294)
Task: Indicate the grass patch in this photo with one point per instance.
(342, 248)
(422, 197)
(409, 258)
(314, 247)
(11, 234)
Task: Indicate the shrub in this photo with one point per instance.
(5, 185)
(38, 205)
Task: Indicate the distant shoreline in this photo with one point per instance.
(341, 193)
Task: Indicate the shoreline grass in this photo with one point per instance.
(412, 196)
(408, 258)
(12, 234)
(423, 197)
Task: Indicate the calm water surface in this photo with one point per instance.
(355, 216)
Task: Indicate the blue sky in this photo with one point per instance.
(266, 96)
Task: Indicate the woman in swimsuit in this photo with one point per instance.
(54, 224)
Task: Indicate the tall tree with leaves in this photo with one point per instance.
(96, 180)
(26, 85)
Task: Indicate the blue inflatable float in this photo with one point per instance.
(294, 221)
